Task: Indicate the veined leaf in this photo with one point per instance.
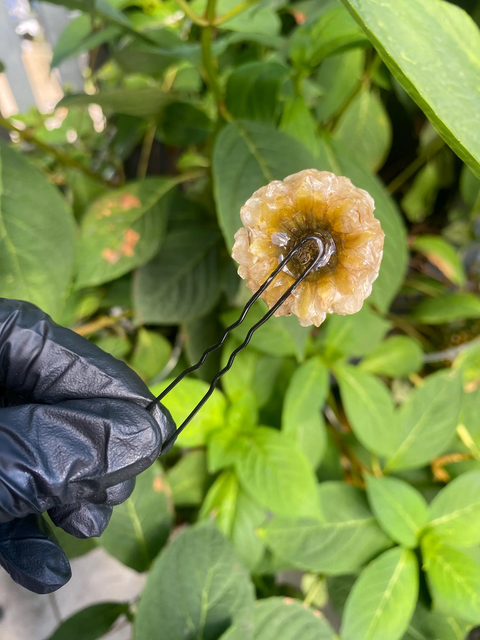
(285, 619)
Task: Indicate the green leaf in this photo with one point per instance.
(253, 88)
(181, 283)
(246, 156)
(442, 255)
(275, 472)
(260, 18)
(298, 122)
(369, 408)
(36, 251)
(440, 73)
(335, 31)
(117, 346)
(302, 418)
(140, 526)
(354, 335)
(365, 128)
(383, 599)
(432, 625)
(399, 508)
(77, 37)
(183, 124)
(455, 511)
(280, 337)
(468, 364)
(187, 479)
(197, 588)
(447, 308)
(183, 399)
(151, 354)
(396, 357)
(339, 159)
(236, 515)
(337, 79)
(143, 102)
(342, 539)
(90, 623)
(224, 447)
(454, 579)
(419, 201)
(285, 619)
(427, 421)
(122, 230)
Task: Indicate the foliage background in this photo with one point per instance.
(351, 452)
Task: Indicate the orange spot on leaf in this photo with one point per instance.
(110, 256)
(131, 238)
(300, 17)
(129, 201)
(158, 485)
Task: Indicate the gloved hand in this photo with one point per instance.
(74, 433)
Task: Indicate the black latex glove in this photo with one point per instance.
(74, 433)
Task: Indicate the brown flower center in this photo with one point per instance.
(308, 253)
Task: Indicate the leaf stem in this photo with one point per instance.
(188, 11)
(146, 150)
(208, 61)
(28, 136)
(430, 150)
(240, 8)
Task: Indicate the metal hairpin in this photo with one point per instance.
(315, 264)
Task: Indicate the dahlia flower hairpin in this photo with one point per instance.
(309, 245)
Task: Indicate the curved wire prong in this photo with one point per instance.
(316, 263)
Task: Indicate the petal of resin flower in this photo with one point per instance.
(311, 203)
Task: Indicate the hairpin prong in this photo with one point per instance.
(315, 264)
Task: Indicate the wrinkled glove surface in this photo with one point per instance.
(74, 433)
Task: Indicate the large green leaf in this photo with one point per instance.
(353, 335)
(258, 19)
(151, 354)
(400, 509)
(187, 479)
(36, 235)
(439, 72)
(369, 407)
(455, 511)
(196, 589)
(447, 308)
(122, 230)
(340, 541)
(246, 156)
(90, 623)
(143, 102)
(275, 472)
(302, 410)
(427, 421)
(140, 526)
(253, 88)
(336, 158)
(365, 128)
(78, 37)
(383, 599)
(432, 625)
(183, 399)
(236, 515)
(280, 337)
(181, 283)
(454, 579)
(397, 357)
(287, 619)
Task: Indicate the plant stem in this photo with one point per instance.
(209, 66)
(146, 150)
(427, 153)
(28, 136)
(312, 592)
(188, 11)
(437, 465)
(240, 8)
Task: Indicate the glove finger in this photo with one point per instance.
(45, 362)
(32, 556)
(82, 521)
(120, 492)
(70, 453)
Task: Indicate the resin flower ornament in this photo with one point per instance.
(311, 203)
